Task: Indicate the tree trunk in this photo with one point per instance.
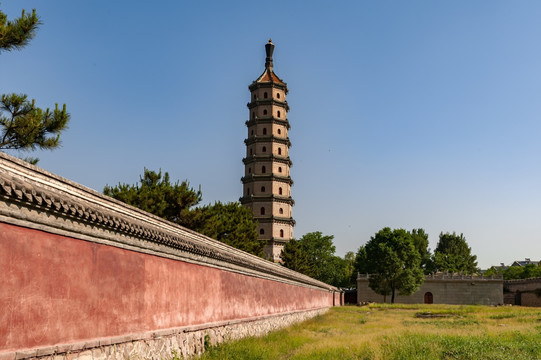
(392, 295)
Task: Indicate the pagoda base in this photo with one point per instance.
(273, 250)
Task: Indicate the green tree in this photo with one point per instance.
(318, 251)
(531, 271)
(23, 126)
(295, 258)
(336, 272)
(493, 271)
(516, 272)
(158, 196)
(350, 276)
(453, 254)
(513, 272)
(28, 127)
(16, 34)
(361, 261)
(420, 241)
(230, 223)
(394, 263)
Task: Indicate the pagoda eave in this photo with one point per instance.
(275, 219)
(275, 158)
(267, 138)
(266, 177)
(266, 198)
(268, 120)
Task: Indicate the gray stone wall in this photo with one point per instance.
(523, 292)
(165, 344)
(445, 289)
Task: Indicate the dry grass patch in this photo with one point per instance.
(382, 331)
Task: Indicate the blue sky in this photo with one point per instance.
(403, 114)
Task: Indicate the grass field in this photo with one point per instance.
(401, 332)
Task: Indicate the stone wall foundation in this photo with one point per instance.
(183, 342)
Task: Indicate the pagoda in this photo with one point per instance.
(267, 182)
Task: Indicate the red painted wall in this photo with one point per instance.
(55, 289)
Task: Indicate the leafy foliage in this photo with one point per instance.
(295, 258)
(336, 272)
(516, 272)
(453, 254)
(313, 255)
(320, 249)
(350, 275)
(230, 223)
(361, 261)
(394, 262)
(23, 125)
(420, 241)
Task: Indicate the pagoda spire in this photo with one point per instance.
(269, 49)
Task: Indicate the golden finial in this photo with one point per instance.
(270, 41)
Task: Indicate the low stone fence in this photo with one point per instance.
(86, 276)
(442, 288)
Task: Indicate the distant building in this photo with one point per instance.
(526, 261)
(520, 263)
(500, 267)
(267, 182)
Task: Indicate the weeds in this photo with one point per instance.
(175, 355)
(502, 316)
(383, 331)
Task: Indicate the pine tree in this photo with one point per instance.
(28, 127)
(295, 258)
(17, 33)
(157, 195)
(24, 126)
